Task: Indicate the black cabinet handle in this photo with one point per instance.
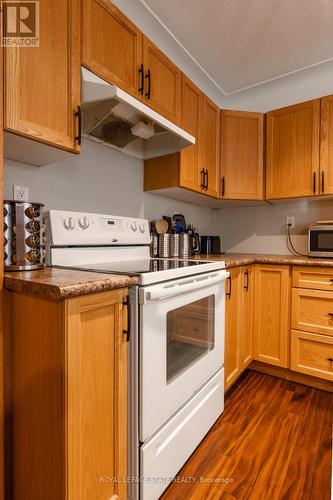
(223, 185)
(228, 294)
(246, 285)
(202, 177)
(206, 177)
(149, 83)
(128, 331)
(314, 182)
(322, 181)
(78, 114)
(330, 314)
(142, 79)
(330, 360)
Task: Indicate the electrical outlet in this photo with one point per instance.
(291, 221)
(21, 193)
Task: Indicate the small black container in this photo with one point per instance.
(210, 245)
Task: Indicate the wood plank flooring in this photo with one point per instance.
(273, 442)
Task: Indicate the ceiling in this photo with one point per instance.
(244, 43)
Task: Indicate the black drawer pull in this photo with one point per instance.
(78, 114)
(202, 177)
(246, 285)
(228, 294)
(142, 79)
(148, 77)
(128, 331)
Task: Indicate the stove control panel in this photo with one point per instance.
(78, 229)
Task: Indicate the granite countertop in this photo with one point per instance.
(59, 284)
(246, 259)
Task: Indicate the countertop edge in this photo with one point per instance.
(70, 290)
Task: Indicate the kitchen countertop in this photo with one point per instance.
(54, 283)
(59, 284)
(246, 259)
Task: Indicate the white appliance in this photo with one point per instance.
(116, 119)
(176, 356)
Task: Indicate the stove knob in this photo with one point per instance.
(142, 228)
(134, 226)
(69, 223)
(84, 222)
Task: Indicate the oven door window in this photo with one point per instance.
(190, 335)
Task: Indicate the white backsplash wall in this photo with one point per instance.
(258, 229)
(100, 180)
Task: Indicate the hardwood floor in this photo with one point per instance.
(273, 442)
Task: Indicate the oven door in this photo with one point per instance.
(181, 344)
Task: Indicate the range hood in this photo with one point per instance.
(116, 119)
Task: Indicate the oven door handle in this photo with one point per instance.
(182, 286)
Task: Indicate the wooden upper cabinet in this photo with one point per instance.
(293, 151)
(271, 315)
(111, 45)
(42, 84)
(192, 100)
(242, 155)
(210, 150)
(162, 86)
(326, 146)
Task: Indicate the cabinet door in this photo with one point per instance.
(210, 150)
(293, 151)
(42, 84)
(246, 315)
(111, 45)
(96, 396)
(326, 146)
(242, 150)
(271, 315)
(312, 354)
(231, 354)
(192, 99)
(315, 278)
(162, 82)
(312, 311)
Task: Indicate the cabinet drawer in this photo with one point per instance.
(315, 278)
(312, 311)
(312, 354)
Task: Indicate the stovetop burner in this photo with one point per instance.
(138, 267)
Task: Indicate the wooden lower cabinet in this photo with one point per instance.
(312, 311)
(312, 354)
(66, 397)
(239, 323)
(231, 356)
(271, 314)
(314, 278)
(246, 317)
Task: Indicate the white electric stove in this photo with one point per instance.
(176, 358)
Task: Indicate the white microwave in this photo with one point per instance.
(320, 239)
